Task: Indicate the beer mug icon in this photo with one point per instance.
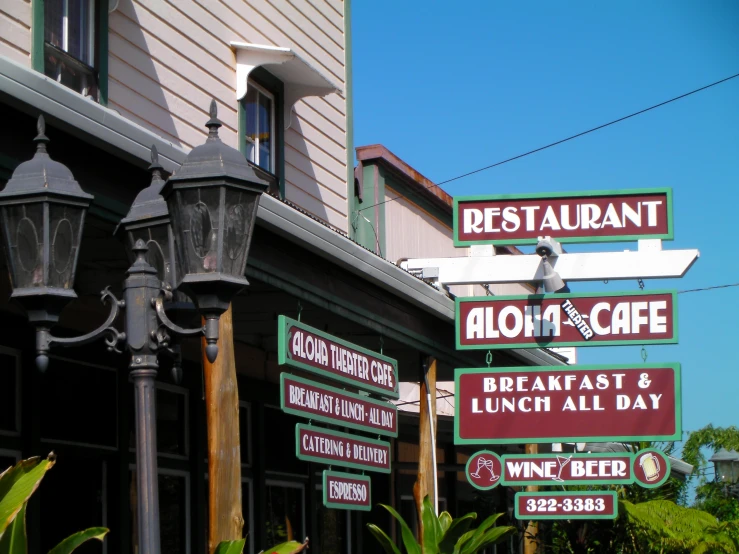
(650, 466)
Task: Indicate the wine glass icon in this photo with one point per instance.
(487, 464)
(562, 461)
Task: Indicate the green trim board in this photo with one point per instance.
(284, 357)
(669, 235)
(637, 368)
(568, 515)
(340, 462)
(553, 342)
(37, 35)
(333, 421)
(365, 506)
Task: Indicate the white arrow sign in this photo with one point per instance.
(649, 262)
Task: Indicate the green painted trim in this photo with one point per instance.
(664, 457)
(569, 515)
(330, 420)
(467, 469)
(349, 99)
(381, 225)
(675, 366)
(284, 324)
(102, 51)
(37, 35)
(336, 506)
(337, 434)
(554, 343)
(667, 191)
(519, 483)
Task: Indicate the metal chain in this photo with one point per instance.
(641, 284)
(487, 289)
(382, 343)
(489, 358)
(300, 310)
(644, 354)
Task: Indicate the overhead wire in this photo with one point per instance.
(556, 143)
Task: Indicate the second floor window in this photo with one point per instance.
(260, 127)
(69, 44)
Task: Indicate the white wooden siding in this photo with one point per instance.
(168, 59)
(411, 232)
(15, 30)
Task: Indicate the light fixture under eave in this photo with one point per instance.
(550, 281)
(300, 78)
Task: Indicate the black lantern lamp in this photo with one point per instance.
(42, 209)
(213, 199)
(726, 464)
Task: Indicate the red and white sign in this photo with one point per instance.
(567, 468)
(567, 404)
(346, 491)
(326, 446)
(566, 320)
(568, 217)
(323, 403)
(566, 505)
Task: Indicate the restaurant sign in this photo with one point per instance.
(312, 350)
(513, 405)
(324, 446)
(346, 491)
(581, 319)
(566, 505)
(320, 402)
(594, 216)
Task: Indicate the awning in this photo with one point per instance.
(299, 77)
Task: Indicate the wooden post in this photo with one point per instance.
(425, 483)
(225, 520)
(532, 529)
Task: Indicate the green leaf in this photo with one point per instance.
(73, 541)
(383, 539)
(432, 532)
(230, 547)
(473, 545)
(463, 541)
(18, 484)
(458, 528)
(496, 535)
(409, 541)
(14, 539)
(283, 548)
(445, 520)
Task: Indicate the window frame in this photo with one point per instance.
(274, 87)
(272, 129)
(99, 22)
(290, 485)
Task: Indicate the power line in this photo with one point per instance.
(710, 288)
(620, 119)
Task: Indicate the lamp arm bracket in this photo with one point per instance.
(45, 340)
(169, 324)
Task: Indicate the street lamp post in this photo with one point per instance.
(191, 233)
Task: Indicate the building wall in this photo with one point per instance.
(15, 30)
(167, 60)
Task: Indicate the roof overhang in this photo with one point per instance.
(299, 77)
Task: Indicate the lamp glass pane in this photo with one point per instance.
(159, 254)
(23, 230)
(241, 207)
(195, 219)
(65, 230)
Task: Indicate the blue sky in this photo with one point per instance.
(451, 87)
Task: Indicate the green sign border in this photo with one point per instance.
(458, 320)
(334, 505)
(354, 465)
(627, 456)
(467, 470)
(614, 515)
(661, 481)
(573, 194)
(675, 366)
(325, 419)
(283, 357)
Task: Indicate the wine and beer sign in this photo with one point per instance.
(515, 405)
(308, 349)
